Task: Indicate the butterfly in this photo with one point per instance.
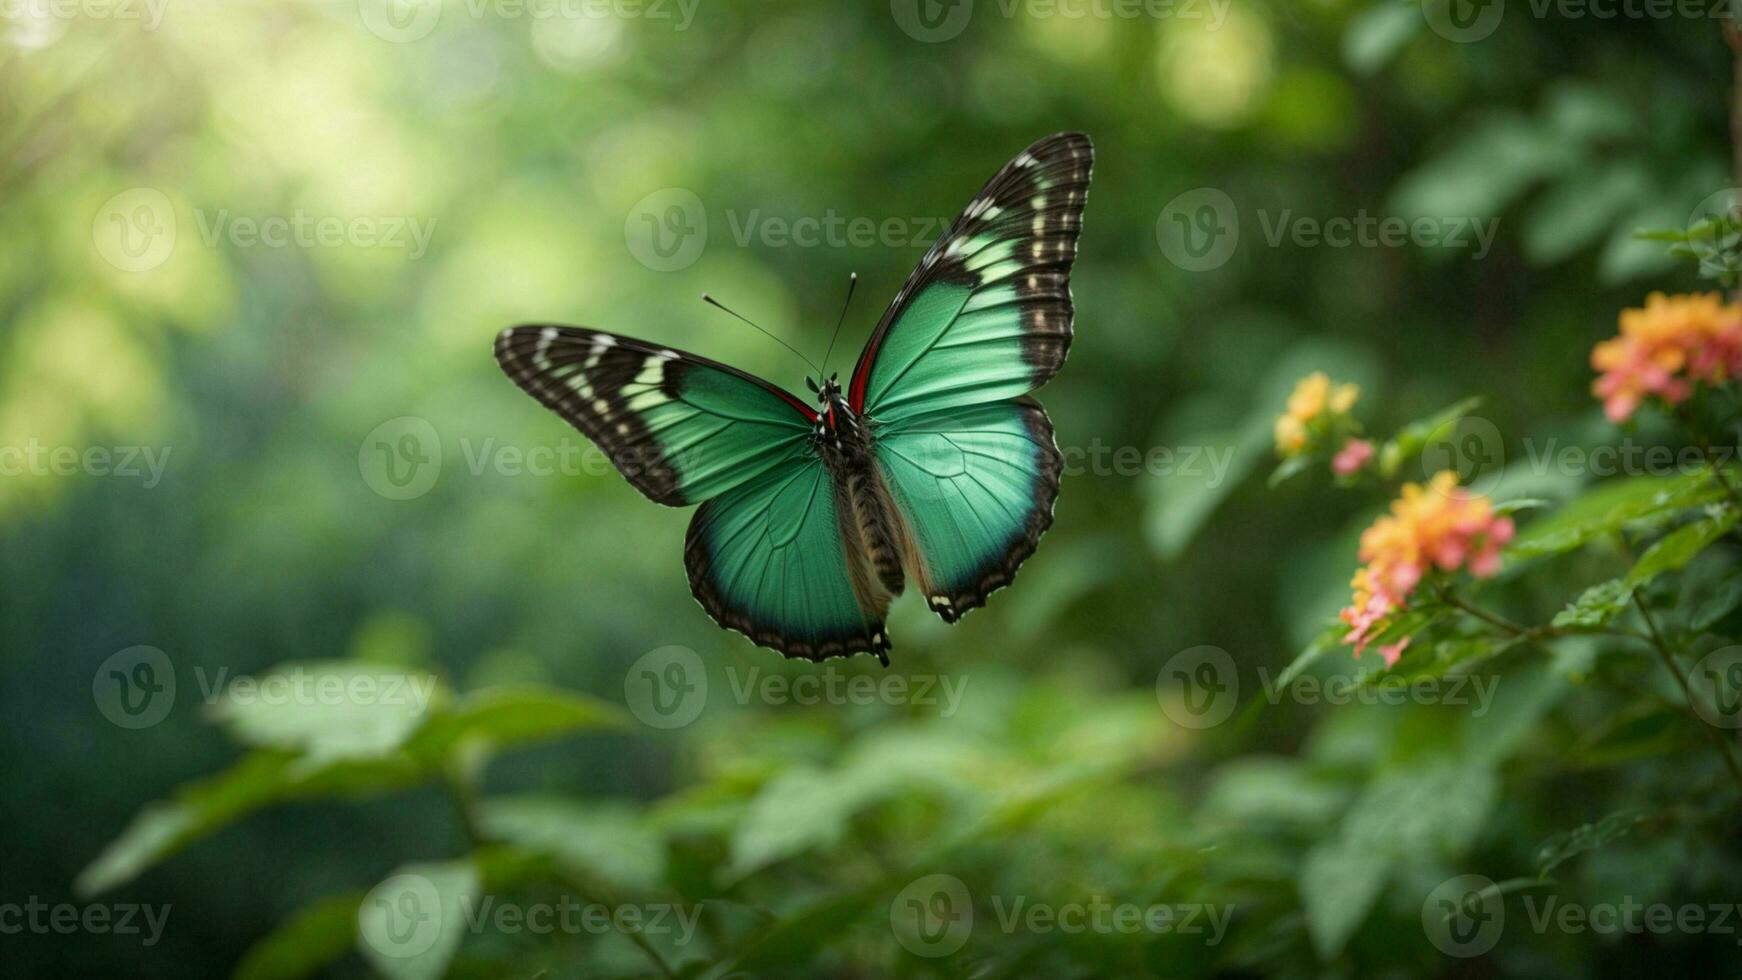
(931, 468)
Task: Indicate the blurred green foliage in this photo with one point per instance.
(264, 377)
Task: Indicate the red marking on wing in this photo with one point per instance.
(862, 374)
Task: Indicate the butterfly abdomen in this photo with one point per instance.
(874, 516)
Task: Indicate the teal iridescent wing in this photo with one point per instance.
(767, 560)
(681, 428)
(985, 319)
(987, 314)
(977, 487)
(764, 552)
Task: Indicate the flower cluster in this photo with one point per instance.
(1317, 418)
(1441, 526)
(1664, 349)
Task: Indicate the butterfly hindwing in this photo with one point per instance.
(767, 559)
(987, 314)
(977, 486)
(681, 428)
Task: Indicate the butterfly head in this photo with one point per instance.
(828, 392)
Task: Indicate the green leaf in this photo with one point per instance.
(303, 944)
(411, 924)
(339, 709)
(797, 811)
(609, 842)
(258, 780)
(1661, 234)
(1568, 844)
(1609, 507)
(1428, 810)
(1288, 469)
(1414, 437)
(1375, 36)
(1723, 600)
(1324, 643)
(1579, 209)
(1339, 882)
(1272, 789)
(1511, 507)
(794, 940)
(1674, 550)
(508, 716)
(1425, 661)
(1596, 605)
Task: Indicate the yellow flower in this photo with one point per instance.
(1308, 399)
(1291, 435)
(1313, 398)
(1344, 397)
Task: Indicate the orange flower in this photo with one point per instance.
(1442, 526)
(1664, 348)
(1313, 405)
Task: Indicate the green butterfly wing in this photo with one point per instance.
(977, 487)
(985, 319)
(764, 552)
(679, 427)
(987, 314)
(766, 559)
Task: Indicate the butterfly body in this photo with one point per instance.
(931, 469)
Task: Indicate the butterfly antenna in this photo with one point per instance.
(711, 301)
(852, 281)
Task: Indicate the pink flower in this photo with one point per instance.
(1354, 455)
(1392, 652)
(1442, 526)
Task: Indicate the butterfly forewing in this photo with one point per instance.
(987, 314)
(681, 428)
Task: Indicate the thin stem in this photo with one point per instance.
(1668, 657)
(465, 798)
(1493, 619)
(634, 934)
